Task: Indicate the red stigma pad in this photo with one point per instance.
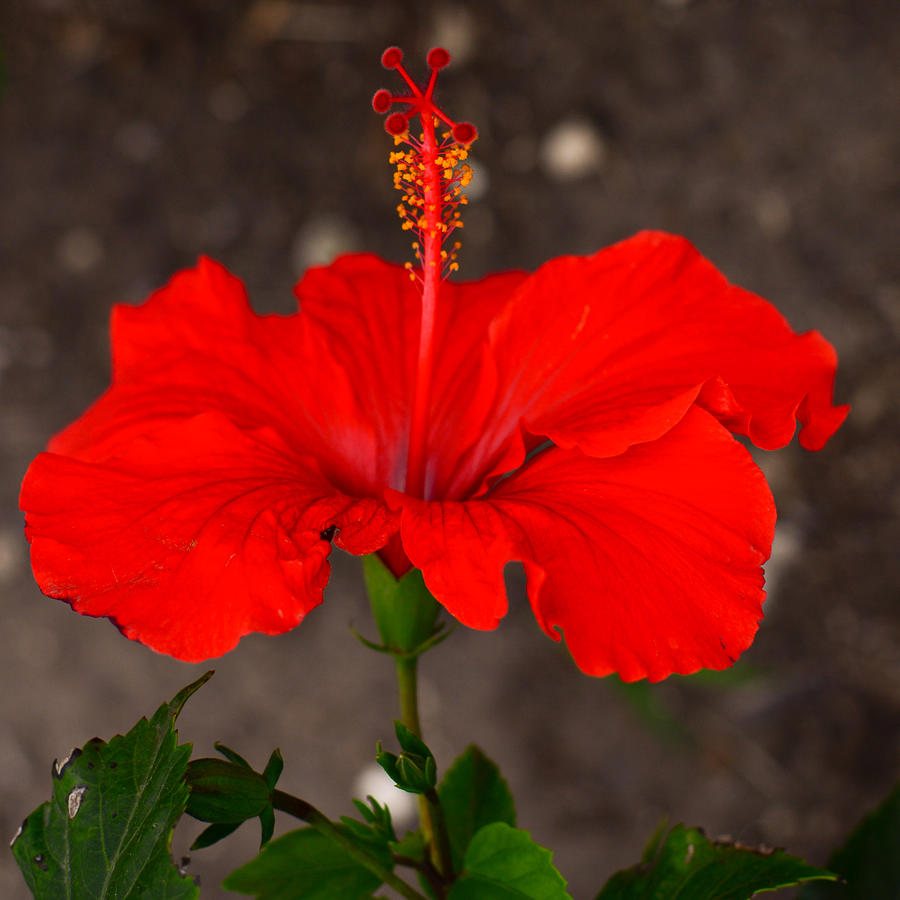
(392, 57)
(419, 99)
(381, 102)
(438, 57)
(396, 124)
(464, 133)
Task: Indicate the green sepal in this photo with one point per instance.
(232, 755)
(410, 742)
(214, 833)
(869, 862)
(504, 863)
(107, 829)
(274, 768)
(473, 794)
(266, 825)
(405, 612)
(687, 864)
(376, 824)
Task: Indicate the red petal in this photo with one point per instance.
(607, 351)
(192, 536)
(367, 312)
(197, 346)
(650, 563)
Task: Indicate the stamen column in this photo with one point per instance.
(432, 237)
(430, 180)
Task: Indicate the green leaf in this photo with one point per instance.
(304, 865)
(473, 794)
(503, 863)
(106, 831)
(688, 866)
(869, 862)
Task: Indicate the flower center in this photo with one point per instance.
(430, 174)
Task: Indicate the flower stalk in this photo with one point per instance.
(431, 816)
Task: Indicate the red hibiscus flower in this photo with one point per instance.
(578, 419)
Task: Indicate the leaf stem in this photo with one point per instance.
(300, 809)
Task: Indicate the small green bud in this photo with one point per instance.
(223, 791)
(411, 771)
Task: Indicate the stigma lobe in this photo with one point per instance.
(430, 170)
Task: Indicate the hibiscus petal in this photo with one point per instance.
(197, 346)
(367, 313)
(193, 535)
(607, 351)
(649, 563)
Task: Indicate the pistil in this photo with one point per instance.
(430, 174)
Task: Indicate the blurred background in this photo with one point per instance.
(136, 134)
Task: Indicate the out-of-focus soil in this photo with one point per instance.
(135, 135)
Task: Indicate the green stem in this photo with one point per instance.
(434, 828)
(300, 809)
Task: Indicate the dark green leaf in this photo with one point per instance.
(869, 862)
(304, 865)
(503, 863)
(412, 845)
(690, 866)
(105, 832)
(473, 794)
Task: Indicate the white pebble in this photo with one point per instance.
(572, 149)
(320, 240)
(374, 781)
(80, 250)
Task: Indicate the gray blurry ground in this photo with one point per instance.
(137, 134)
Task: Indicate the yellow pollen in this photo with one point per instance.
(421, 210)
